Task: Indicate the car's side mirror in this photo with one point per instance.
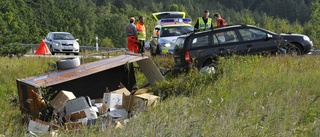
(269, 36)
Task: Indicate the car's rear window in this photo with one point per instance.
(200, 41)
(180, 42)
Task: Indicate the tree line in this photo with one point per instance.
(28, 21)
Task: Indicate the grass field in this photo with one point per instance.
(250, 96)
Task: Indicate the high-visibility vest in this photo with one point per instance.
(141, 30)
(202, 25)
(221, 22)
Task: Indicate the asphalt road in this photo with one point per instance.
(315, 52)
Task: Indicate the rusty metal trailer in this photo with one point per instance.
(89, 79)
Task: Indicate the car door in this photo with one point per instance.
(229, 43)
(200, 48)
(258, 41)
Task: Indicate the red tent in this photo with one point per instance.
(42, 49)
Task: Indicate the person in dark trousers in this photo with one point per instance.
(141, 29)
(220, 21)
(204, 22)
(131, 32)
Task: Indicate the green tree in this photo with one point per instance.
(107, 42)
(269, 24)
(247, 18)
(312, 27)
(174, 7)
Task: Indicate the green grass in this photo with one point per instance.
(250, 96)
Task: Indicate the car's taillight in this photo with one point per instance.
(187, 57)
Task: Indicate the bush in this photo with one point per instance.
(13, 50)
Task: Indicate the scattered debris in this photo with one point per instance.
(102, 93)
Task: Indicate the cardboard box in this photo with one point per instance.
(91, 113)
(150, 100)
(115, 98)
(38, 127)
(98, 100)
(88, 113)
(141, 91)
(73, 125)
(76, 115)
(142, 101)
(118, 114)
(77, 104)
(59, 101)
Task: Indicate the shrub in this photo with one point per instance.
(13, 50)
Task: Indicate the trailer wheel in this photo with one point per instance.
(68, 63)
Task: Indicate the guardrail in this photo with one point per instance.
(83, 48)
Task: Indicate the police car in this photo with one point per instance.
(170, 25)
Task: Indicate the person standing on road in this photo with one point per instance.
(204, 22)
(141, 29)
(220, 21)
(131, 32)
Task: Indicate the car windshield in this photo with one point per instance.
(175, 31)
(63, 36)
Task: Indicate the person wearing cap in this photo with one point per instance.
(220, 21)
(142, 35)
(204, 22)
(131, 32)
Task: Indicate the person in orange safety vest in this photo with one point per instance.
(220, 21)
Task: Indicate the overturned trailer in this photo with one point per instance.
(89, 79)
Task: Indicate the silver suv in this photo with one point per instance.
(62, 42)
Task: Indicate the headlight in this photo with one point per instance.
(306, 38)
(76, 44)
(56, 44)
(165, 44)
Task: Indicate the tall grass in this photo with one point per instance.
(10, 70)
(250, 96)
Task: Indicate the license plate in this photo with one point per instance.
(165, 50)
(67, 47)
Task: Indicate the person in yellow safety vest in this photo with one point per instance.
(141, 29)
(204, 22)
